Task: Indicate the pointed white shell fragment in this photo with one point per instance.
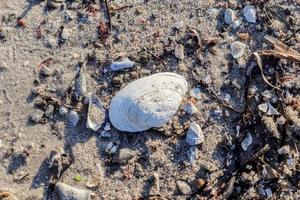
(147, 102)
(121, 64)
(194, 135)
(96, 113)
(66, 192)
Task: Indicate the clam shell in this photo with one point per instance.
(147, 102)
(96, 113)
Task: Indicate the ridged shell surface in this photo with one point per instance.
(147, 102)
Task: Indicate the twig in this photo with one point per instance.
(108, 15)
(259, 63)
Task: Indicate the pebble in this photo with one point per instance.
(73, 117)
(63, 111)
(189, 107)
(111, 148)
(246, 142)
(194, 134)
(125, 155)
(229, 16)
(121, 64)
(237, 49)
(65, 34)
(250, 14)
(49, 111)
(179, 25)
(179, 51)
(184, 187)
(105, 134)
(284, 150)
(196, 93)
(36, 116)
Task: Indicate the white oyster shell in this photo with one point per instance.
(147, 102)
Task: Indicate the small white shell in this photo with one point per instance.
(96, 113)
(121, 64)
(147, 102)
(65, 191)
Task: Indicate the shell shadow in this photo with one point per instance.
(16, 162)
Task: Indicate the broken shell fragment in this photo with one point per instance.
(247, 141)
(66, 192)
(121, 64)
(179, 52)
(96, 113)
(268, 109)
(194, 135)
(237, 49)
(147, 102)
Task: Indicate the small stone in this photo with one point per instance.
(250, 14)
(229, 16)
(125, 155)
(21, 22)
(65, 34)
(105, 134)
(246, 142)
(107, 126)
(63, 111)
(179, 51)
(179, 25)
(117, 81)
(49, 111)
(36, 116)
(237, 49)
(184, 187)
(199, 182)
(111, 148)
(73, 118)
(189, 107)
(196, 93)
(284, 150)
(194, 135)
